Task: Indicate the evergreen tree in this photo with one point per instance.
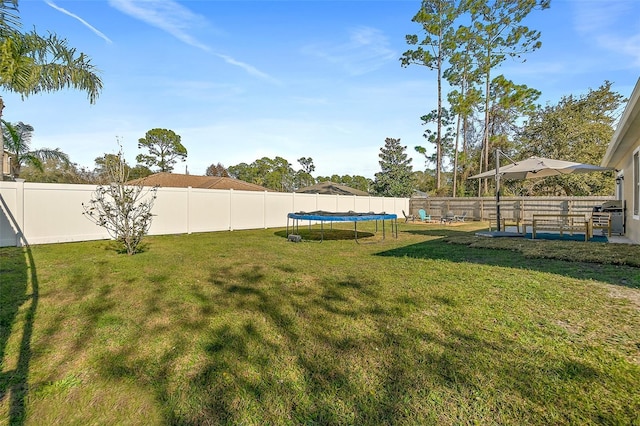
(56, 170)
(217, 170)
(357, 182)
(579, 129)
(437, 18)
(443, 141)
(464, 98)
(164, 147)
(276, 173)
(496, 33)
(303, 176)
(396, 176)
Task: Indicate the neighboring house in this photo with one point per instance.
(175, 180)
(623, 154)
(331, 188)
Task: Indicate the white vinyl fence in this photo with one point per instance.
(41, 213)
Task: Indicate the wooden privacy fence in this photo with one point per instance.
(511, 208)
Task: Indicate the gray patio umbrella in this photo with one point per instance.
(532, 168)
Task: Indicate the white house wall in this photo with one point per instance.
(632, 230)
(624, 143)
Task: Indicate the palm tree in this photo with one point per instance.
(30, 63)
(17, 138)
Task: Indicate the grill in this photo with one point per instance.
(616, 210)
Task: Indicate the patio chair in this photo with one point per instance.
(408, 217)
(424, 216)
(460, 218)
(448, 218)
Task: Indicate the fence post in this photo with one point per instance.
(231, 209)
(293, 202)
(21, 239)
(188, 209)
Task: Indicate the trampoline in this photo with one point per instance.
(350, 216)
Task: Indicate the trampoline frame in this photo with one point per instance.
(351, 216)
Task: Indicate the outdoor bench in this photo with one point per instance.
(562, 223)
(508, 221)
(601, 220)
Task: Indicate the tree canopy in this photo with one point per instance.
(278, 174)
(438, 44)
(463, 42)
(396, 176)
(17, 139)
(164, 149)
(217, 170)
(579, 129)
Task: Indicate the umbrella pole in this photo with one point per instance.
(498, 218)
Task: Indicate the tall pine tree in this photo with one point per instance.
(497, 33)
(433, 51)
(396, 176)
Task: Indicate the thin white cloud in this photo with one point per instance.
(85, 23)
(590, 16)
(629, 46)
(248, 68)
(367, 50)
(177, 20)
(168, 16)
(607, 24)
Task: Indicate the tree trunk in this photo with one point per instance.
(485, 140)
(455, 159)
(439, 124)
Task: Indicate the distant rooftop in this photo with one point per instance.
(176, 180)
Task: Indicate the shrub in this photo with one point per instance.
(123, 209)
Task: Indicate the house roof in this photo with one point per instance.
(627, 133)
(332, 188)
(176, 180)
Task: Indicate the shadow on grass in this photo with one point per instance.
(275, 344)
(341, 354)
(439, 232)
(18, 302)
(557, 257)
(328, 234)
(259, 343)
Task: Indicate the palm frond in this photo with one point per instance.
(30, 64)
(45, 154)
(13, 141)
(57, 66)
(9, 18)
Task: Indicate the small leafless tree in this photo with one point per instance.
(123, 209)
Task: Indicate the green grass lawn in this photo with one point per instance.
(435, 327)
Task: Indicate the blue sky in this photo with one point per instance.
(240, 80)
